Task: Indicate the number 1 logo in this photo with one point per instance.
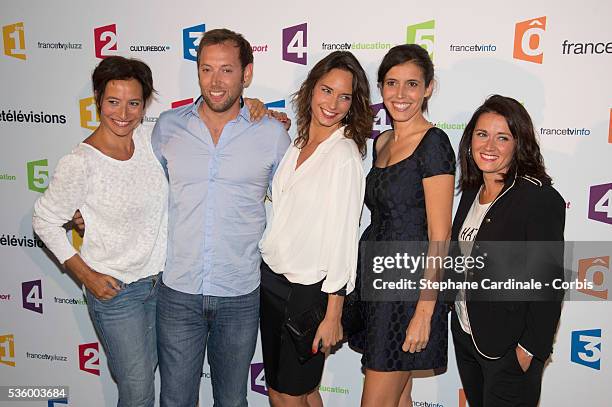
(422, 34)
(105, 41)
(31, 295)
(89, 113)
(38, 175)
(600, 203)
(295, 44)
(89, 358)
(14, 40)
(7, 350)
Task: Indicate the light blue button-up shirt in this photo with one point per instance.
(216, 202)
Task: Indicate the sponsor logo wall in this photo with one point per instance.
(553, 58)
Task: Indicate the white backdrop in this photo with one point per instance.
(554, 58)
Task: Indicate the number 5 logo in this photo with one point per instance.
(14, 40)
(528, 40)
(422, 34)
(600, 203)
(89, 358)
(38, 175)
(105, 41)
(191, 38)
(295, 44)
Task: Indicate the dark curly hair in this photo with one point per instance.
(358, 120)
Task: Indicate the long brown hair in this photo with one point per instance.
(358, 120)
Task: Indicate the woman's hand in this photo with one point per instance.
(329, 333)
(257, 109)
(281, 117)
(417, 333)
(102, 286)
(523, 358)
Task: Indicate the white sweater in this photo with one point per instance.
(124, 205)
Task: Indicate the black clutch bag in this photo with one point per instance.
(352, 320)
(303, 328)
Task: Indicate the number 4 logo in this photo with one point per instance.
(89, 358)
(258, 379)
(295, 42)
(600, 203)
(422, 34)
(382, 121)
(38, 175)
(31, 294)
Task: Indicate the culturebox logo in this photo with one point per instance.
(600, 203)
(528, 37)
(88, 111)
(7, 350)
(586, 348)
(422, 34)
(258, 379)
(597, 271)
(89, 358)
(382, 121)
(295, 44)
(13, 36)
(191, 38)
(38, 175)
(31, 295)
(105, 41)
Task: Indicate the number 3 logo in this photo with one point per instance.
(295, 41)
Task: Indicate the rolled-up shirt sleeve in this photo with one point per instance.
(57, 205)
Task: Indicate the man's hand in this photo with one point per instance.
(78, 223)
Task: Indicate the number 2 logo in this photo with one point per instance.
(295, 42)
(89, 358)
(105, 41)
(600, 203)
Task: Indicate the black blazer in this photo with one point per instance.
(526, 209)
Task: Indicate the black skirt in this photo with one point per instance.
(281, 299)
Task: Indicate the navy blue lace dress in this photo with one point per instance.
(396, 199)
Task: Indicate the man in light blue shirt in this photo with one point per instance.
(219, 164)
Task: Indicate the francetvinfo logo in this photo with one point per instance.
(191, 39)
(600, 203)
(382, 121)
(88, 112)
(422, 34)
(89, 358)
(595, 270)
(295, 44)
(7, 350)
(13, 37)
(528, 37)
(105, 41)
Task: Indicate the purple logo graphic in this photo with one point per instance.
(295, 44)
(382, 121)
(258, 379)
(600, 203)
(31, 294)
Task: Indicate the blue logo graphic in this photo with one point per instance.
(54, 402)
(191, 38)
(277, 104)
(586, 348)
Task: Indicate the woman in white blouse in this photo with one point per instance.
(310, 245)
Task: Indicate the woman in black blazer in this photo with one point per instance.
(507, 198)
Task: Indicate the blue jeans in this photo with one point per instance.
(186, 325)
(126, 327)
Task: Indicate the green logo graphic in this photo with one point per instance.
(422, 34)
(38, 175)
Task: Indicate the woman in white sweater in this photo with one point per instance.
(116, 182)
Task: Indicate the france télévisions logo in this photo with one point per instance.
(191, 39)
(7, 350)
(89, 358)
(13, 37)
(600, 203)
(586, 348)
(295, 44)
(105, 41)
(528, 37)
(382, 121)
(31, 295)
(422, 34)
(595, 270)
(258, 379)
(38, 175)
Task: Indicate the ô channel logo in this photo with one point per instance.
(13, 36)
(89, 358)
(88, 111)
(7, 350)
(600, 203)
(191, 38)
(595, 270)
(528, 37)
(38, 175)
(586, 348)
(31, 296)
(295, 44)
(422, 34)
(105, 41)
(258, 379)
(382, 121)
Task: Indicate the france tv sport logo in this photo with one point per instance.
(595, 270)
(13, 36)
(382, 121)
(600, 203)
(38, 175)
(586, 348)
(295, 44)
(7, 350)
(89, 358)
(191, 38)
(422, 34)
(31, 295)
(88, 112)
(105, 41)
(258, 379)
(528, 37)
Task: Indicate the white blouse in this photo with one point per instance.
(313, 233)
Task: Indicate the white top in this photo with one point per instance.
(124, 205)
(467, 234)
(313, 233)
